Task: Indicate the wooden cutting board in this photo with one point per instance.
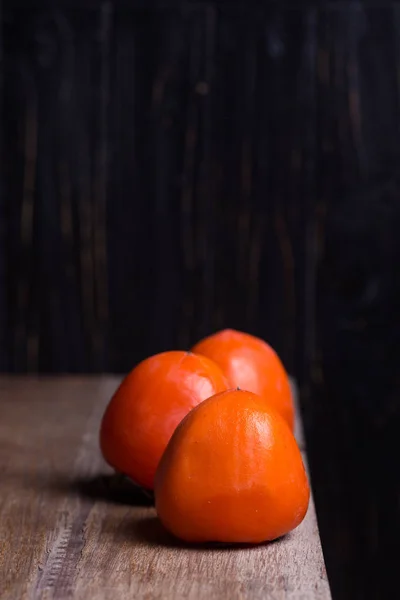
(69, 529)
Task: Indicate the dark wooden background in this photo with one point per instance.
(172, 169)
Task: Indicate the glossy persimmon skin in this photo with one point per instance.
(251, 364)
(232, 472)
(149, 404)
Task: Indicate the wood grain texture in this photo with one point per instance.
(155, 188)
(69, 530)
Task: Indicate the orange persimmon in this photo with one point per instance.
(232, 472)
(149, 404)
(251, 364)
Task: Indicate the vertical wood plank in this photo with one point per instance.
(4, 364)
(353, 415)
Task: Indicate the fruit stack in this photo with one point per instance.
(210, 431)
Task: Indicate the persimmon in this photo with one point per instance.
(251, 364)
(232, 472)
(148, 405)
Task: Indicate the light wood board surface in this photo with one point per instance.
(69, 530)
